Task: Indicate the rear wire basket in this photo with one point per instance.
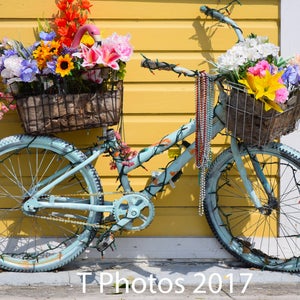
(47, 106)
(247, 119)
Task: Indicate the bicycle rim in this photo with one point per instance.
(265, 240)
(29, 242)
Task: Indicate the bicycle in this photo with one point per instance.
(60, 208)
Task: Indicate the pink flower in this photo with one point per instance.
(121, 45)
(125, 153)
(12, 106)
(128, 163)
(112, 50)
(93, 75)
(90, 55)
(260, 68)
(281, 95)
(118, 135)
(4, 108)
(108, 57)
(113, 165)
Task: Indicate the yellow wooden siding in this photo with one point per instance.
(154, 105)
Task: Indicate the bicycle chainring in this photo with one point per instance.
(136, 208)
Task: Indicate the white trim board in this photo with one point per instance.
(290, 45)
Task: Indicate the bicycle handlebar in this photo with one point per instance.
(215, 14)
(157, 65)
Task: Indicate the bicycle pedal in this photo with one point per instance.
(105, 243)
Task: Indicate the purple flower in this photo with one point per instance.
(51, 68)
(29, 70)
(291, 75)
(10, 52)
(45, 36)
(67, 50)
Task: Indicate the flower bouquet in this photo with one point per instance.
(264, 99)
(70, 78)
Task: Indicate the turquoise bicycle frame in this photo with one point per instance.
(144, 155)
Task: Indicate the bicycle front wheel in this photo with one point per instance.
(49, 238)
(268, 238)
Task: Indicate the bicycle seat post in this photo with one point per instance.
(104, 131)
(109, 135)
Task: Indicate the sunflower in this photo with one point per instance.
(64, 65)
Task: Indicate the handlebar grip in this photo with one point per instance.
(157, 65)
(215, 14)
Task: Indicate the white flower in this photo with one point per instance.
(262, 39)
(13, 65)
(268, 49)
(250, 50)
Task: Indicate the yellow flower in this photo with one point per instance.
(44, 53)
(264, 88)
(249, 83)
(64, 65)
(87, 40)
(54, 46)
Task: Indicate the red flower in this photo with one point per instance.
(66, 41)
(60, 22)
(85, 4)
(63, 31)
(72, 27)
(72, 14)
(82, 19)
(62, 5)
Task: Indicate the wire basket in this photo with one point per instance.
(51, 107)
(247, 119)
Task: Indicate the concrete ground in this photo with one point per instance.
(159, 279)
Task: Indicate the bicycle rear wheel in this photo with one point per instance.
(267, 239)
(42, 241)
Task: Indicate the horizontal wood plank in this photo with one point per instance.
(175, 222)
(174, 9)
(153, 127)
(151, 36)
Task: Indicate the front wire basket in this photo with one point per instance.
(247, 119)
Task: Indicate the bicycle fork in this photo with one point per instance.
(272, 201)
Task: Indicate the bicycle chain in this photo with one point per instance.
(67, 220)
(64, 220)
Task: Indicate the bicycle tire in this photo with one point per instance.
(29, 243)
(266, 241)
